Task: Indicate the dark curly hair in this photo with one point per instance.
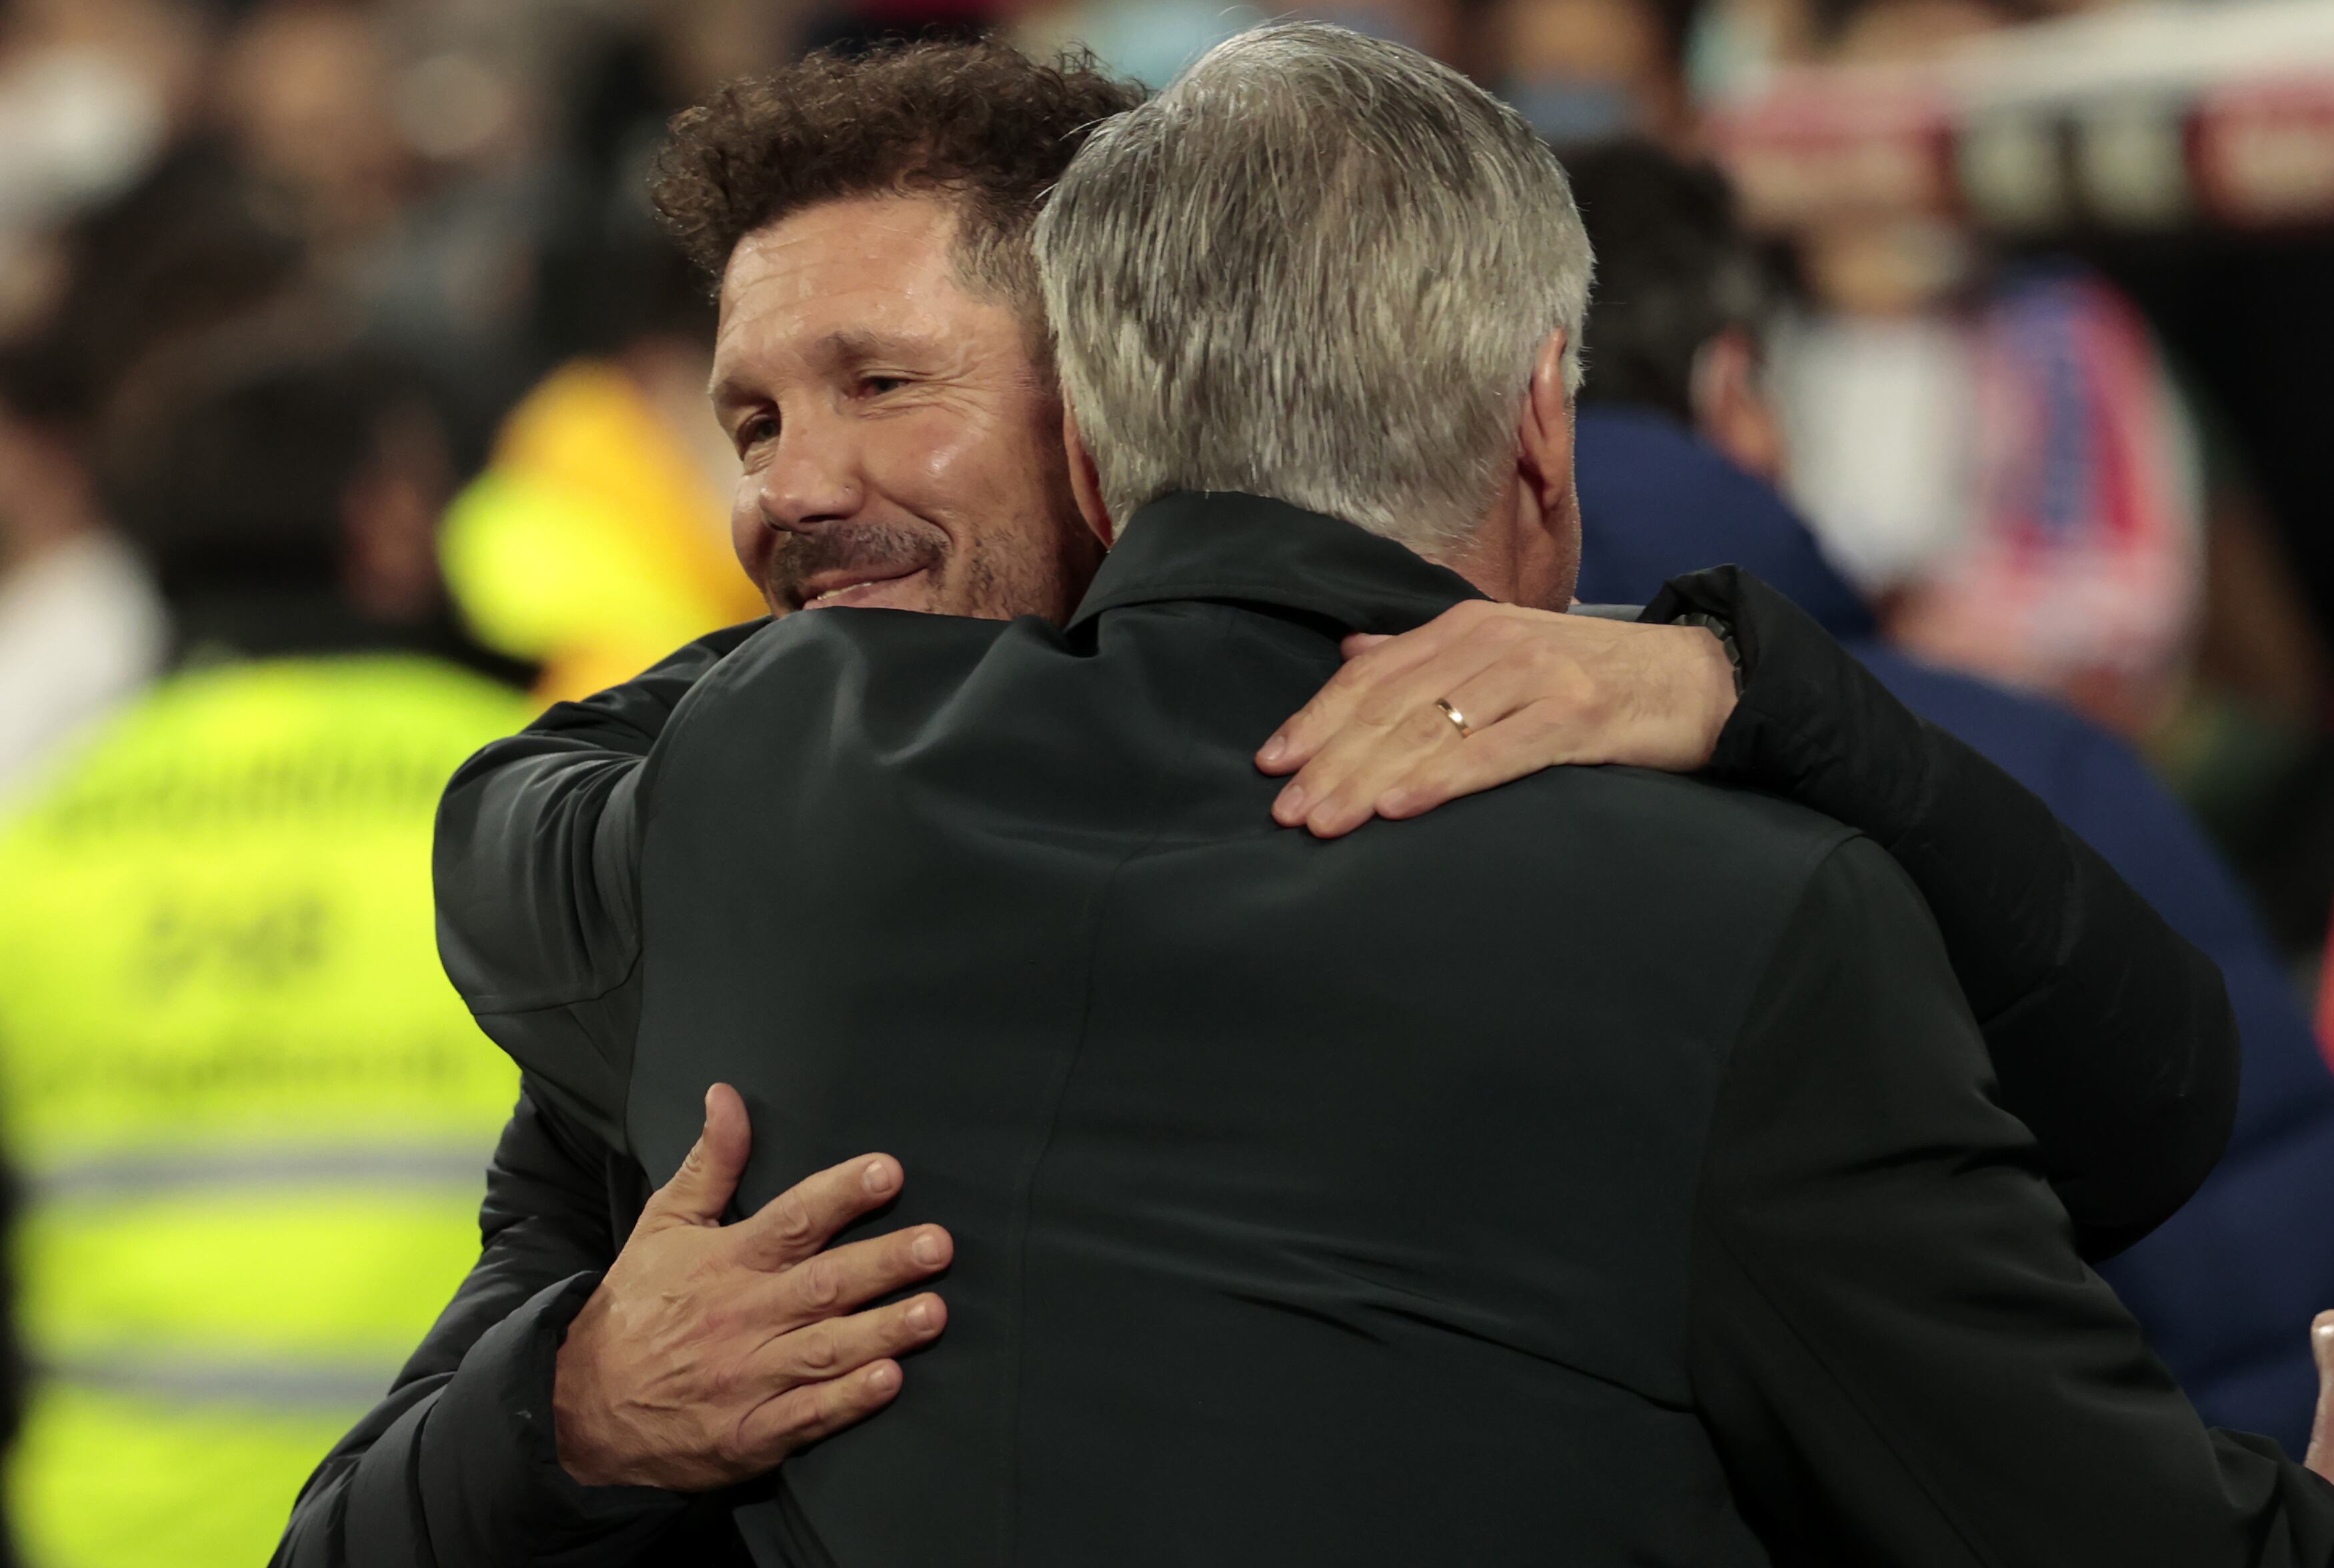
(978, 122)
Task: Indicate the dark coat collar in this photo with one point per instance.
(1217, 544)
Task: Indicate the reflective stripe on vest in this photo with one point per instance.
(252, 1115)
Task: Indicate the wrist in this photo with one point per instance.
(1715, 672)
(579, 1404)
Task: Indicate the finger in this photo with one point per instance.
(805, 1217)
(779, 1426)
(1371, 715)
(1349, 801)
(1524, 742)
(708, 1179)
(1331, 709)
(1400, 727)
(2321, 1457)
(838, 1347)
(1521, 719)
(834, 1283)
(1294, 741)
(1358, 644)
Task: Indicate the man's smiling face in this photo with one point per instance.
(899, 447)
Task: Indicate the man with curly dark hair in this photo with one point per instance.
(868, 222)
(619, 1356)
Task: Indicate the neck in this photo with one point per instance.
(1492, 571)
(1526, 550)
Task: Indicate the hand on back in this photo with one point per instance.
(1485, 693)
(709, 1353)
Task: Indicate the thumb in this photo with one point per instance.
(1360, 642)
(2321, 1457)
(708, 1179)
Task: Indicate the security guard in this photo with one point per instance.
(252, 1112)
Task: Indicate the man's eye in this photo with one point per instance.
(756, 431)
(876, 386)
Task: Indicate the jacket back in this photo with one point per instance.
(1314, 1201)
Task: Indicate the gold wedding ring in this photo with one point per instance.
(1458, 719)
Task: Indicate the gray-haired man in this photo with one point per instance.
(1599, 1170)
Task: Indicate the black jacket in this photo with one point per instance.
(2077, 980)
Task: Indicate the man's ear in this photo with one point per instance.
(1085, 480)
(1730, 407)
(1544, 434)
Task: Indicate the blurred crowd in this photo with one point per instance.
(344, 324)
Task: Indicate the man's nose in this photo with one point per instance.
(811, 480)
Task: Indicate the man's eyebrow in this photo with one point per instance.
(840, 350)
(728, 391)
(858, 345)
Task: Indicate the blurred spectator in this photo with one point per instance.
(91, 91)
(254, 1113)
(183, 249)
(79, 629)
(413, 183)
(2081, 568)
(1580, 69)
(1676, 456)
(1151, 40)
(597, 540)
(79, 626)
(1148, 40)
(305, 92)
(2001, 455)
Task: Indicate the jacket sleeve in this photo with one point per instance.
(458, 1467)
(2112, 1035)
(537, 864)
(1894, 1346)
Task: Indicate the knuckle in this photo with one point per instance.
(816, 1283)
(795, 1227)
(731, 1448)
(799, 1418)
(816, 1353)
(1381, 708)
(832, 1407)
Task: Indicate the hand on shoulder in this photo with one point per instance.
(1486, 693)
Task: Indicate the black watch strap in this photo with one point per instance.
(1723, 630)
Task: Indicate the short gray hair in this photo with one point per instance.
(1319, 267)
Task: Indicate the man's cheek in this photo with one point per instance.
(750, 541)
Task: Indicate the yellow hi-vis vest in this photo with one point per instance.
(252, 1115)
